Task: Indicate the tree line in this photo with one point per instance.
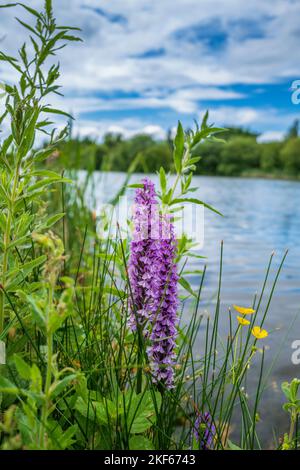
(241, 155)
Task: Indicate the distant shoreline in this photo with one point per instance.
(259, 176)
(267, 176)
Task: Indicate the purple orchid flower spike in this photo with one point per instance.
(153, 279)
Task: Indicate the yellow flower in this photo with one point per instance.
(243, 321)
(259, 333)
(243, 310)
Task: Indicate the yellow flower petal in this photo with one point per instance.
(243, 310)
(259, 333)
(243, 321)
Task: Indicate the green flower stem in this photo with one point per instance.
(48, 380)
(235, 353)
(6, 242)
(292, 428)
(179, 174)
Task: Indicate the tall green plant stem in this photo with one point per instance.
(186, 153)
(292, 427)
(32, 88)
(6, 241)
(48, 379)
(7, 233)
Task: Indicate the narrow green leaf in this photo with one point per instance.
(163, 180)
(178, 147)
(24, 370)
(67, 37)
(30, 10)
(233, 446)
(54, 219)
(133, 186)
(8, 5)
(38, 315)
(6, 145)
(45, 173)
(141, 413)
(17, 242)
(48, 8)
(7, 387)
(46, 109)
(186, 285)
(26, 268)
(92, 410)
(59, 387)
(27, 26)
(69, 28)
(204, 121)
(46, 182)
(194, 201)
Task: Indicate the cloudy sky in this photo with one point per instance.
(144, 64)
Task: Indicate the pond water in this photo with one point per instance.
(260, 216)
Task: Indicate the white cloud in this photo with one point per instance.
(126, 127)
(109, 58)
(223, 115)
(155, 131)
(111, 54)
(185, 100)
(253, 118)
(271, 136)
(186, 72)
(232, 116)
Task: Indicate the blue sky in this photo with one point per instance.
(144, 64)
